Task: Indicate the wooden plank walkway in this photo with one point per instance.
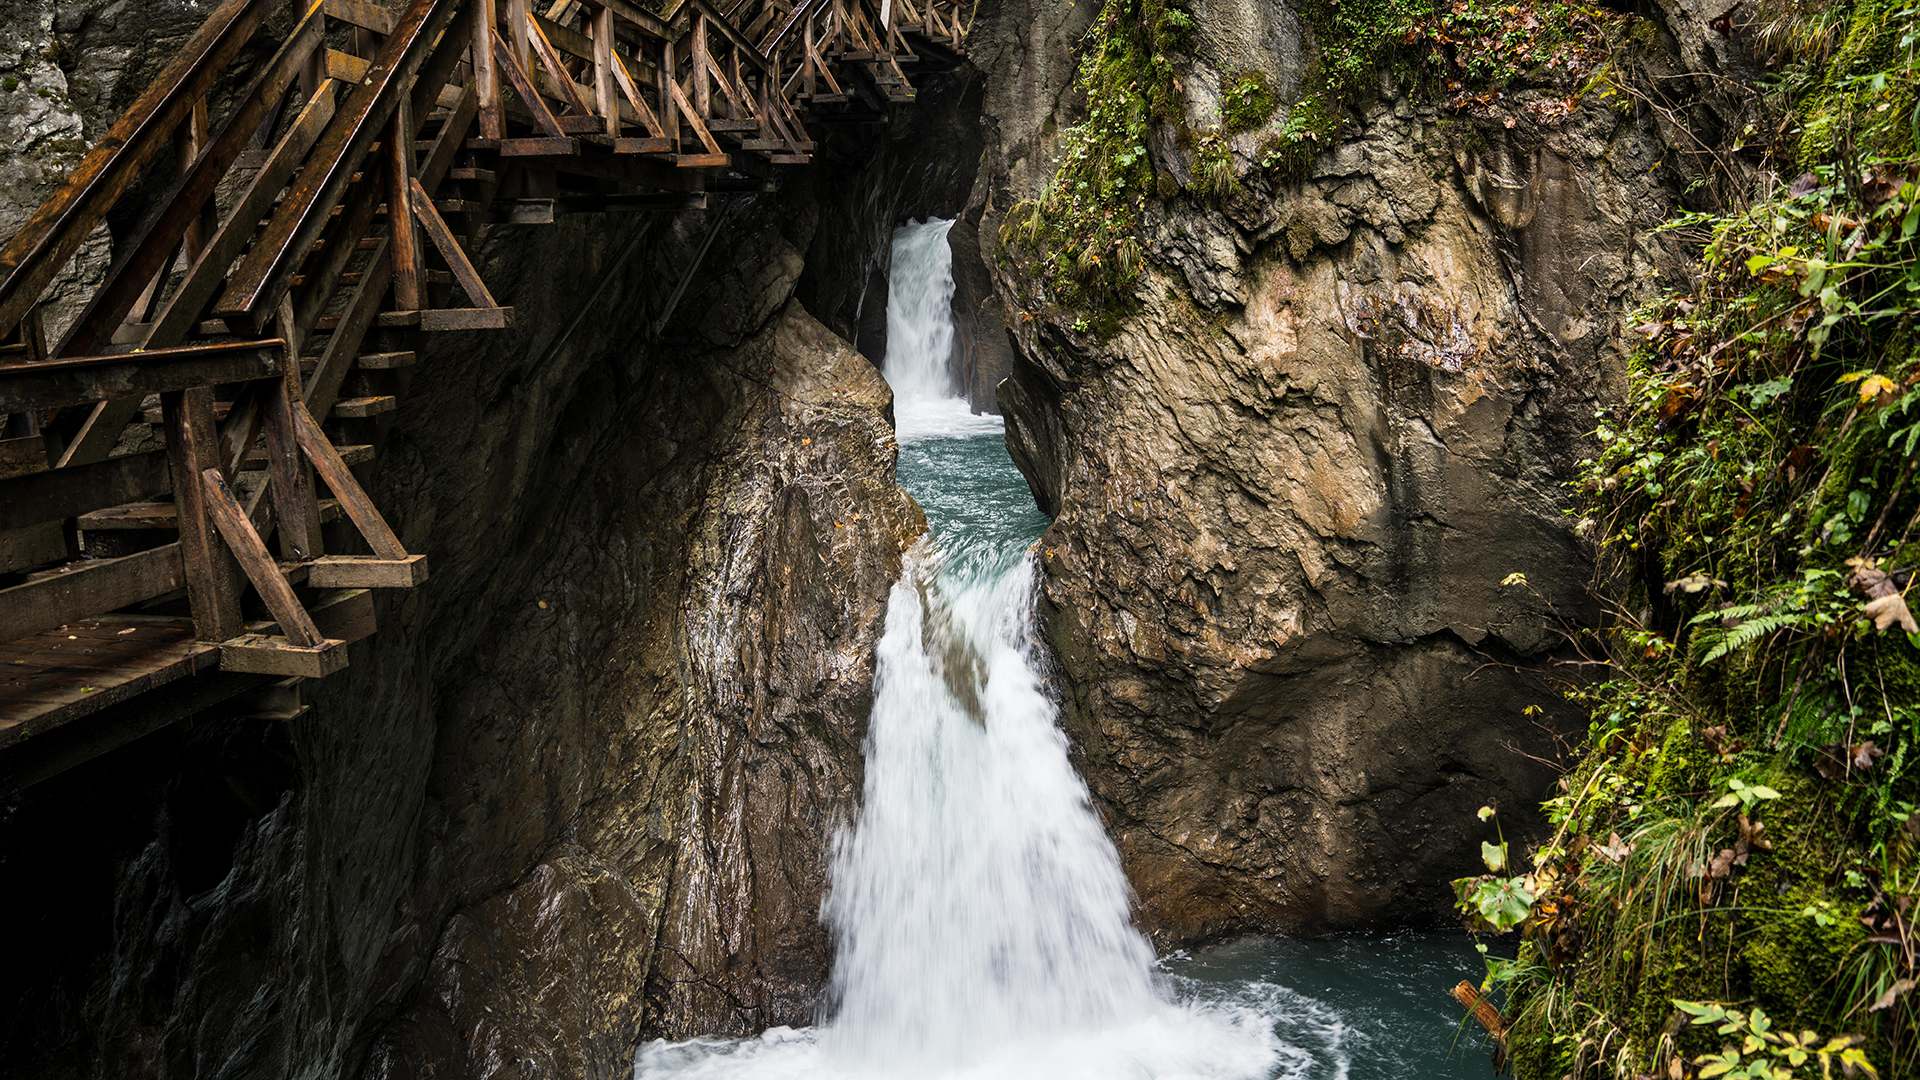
(273, 317)
(54, 677)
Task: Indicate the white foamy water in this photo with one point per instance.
(979, 912)
(920, 339)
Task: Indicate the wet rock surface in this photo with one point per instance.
(1338, 413)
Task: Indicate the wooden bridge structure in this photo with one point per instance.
(173, 445)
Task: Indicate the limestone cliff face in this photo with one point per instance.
(1288, 488)
(578, 789)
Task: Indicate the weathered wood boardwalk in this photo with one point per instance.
(258, 324)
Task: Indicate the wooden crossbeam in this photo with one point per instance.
(85, 379)
(56, 494)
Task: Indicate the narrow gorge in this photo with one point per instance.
(1016, 539)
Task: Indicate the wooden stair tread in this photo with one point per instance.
(360, 407)
(164, 515)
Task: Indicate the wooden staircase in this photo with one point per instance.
(162, 463)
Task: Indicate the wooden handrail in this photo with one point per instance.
(56, 230)
(157, 241)
(264, 275)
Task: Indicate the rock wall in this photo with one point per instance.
(577, 790)
(1287, 490)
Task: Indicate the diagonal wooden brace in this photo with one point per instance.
(449, 248)
(353, 498)
(251, 552)
(523, 85)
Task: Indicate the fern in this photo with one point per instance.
(1713, 646)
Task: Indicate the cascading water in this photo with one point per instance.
(978, 908)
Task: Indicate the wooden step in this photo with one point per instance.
(362, 407)
(386, 361)
(494, 318)
(164, 515)
(481, 176)
(366, 572)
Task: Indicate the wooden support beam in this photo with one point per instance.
(84, 379)
(57, 494)
(450, 249)
(693, 119)
(237, 529)
(631, 91)
(523, 86)
(543, 48)
(669, 109)
(211, 588)
(403, 246)
(702, 100)
(353, 498)
(486, 78)
(604, 99)
(290, 479)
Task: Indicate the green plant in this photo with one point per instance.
(1762, 1053)
(1246, 100)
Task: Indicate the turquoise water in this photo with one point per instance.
(1359, 1006)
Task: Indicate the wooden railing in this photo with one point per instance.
(369, 149)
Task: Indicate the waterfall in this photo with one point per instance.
(979, 911)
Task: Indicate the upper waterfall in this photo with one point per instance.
(919, 359)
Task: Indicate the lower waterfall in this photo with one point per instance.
(979, 911)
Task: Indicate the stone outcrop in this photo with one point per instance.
(1287, 490)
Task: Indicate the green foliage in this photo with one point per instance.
(1083, 228)
(1742, 824)
(1246, 100)
(1758, 1052)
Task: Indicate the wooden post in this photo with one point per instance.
(187, 142)
(702, 102)
(669, 112)
(604, 98)
(405, 250)
(733, 79)
(212, 589)
(517, 35)
(294, 503)
(486, 80)
(806, 37)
